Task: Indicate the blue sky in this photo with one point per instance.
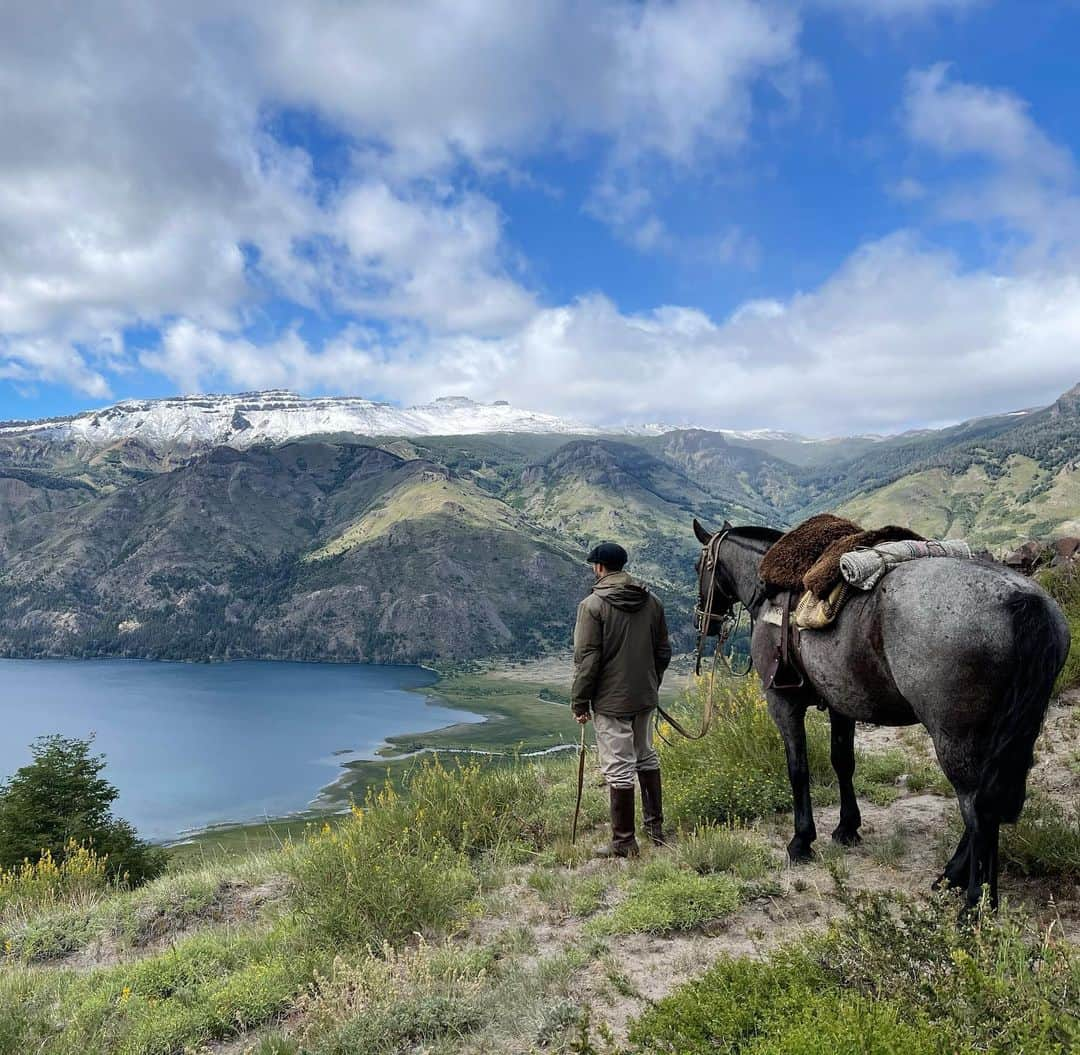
(826, 216)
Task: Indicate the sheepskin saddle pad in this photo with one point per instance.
(808, 556)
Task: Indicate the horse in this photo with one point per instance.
(967, 648)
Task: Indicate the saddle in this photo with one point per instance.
(808, 556)
(801, 571)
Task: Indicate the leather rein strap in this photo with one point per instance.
(704, 617)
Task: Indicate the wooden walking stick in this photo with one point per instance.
(580, 784)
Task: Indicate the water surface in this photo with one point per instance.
(195, 744)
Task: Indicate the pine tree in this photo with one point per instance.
(61, 796)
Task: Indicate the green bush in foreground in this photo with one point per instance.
(401, 864)
(364, 882)
(887, 979)
(663, 898)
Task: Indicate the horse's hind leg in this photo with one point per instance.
(983, 864)
(791, 721)
(843, 761)
(957, 871)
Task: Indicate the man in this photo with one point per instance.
(621, 651)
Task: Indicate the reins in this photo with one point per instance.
(729, 621)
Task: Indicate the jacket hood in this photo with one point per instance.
(621, 590)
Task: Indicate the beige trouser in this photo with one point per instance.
(625, 746)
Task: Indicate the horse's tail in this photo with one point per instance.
(1040, 645)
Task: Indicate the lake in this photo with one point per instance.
(190, 745)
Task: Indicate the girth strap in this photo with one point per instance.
(784, 671)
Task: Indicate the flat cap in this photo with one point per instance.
(609, 554)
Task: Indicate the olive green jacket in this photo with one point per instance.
(621, 648)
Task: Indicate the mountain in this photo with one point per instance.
(307, 550)
(995, 481)
(251, 418)
(138, 531)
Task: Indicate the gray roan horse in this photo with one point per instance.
(969, 649)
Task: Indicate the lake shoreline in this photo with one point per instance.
(516, 703)
(196, 748)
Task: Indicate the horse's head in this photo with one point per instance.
(716, 592)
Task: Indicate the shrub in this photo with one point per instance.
(663, 898)
(738, 771)
(725, 848)
(78, 877)
(1045, 841)
(59, 800)
(367, 882)
(393, 1001)
(886, 978)
(476, 807)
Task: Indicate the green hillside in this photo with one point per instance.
(992, 484)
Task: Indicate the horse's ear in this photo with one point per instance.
(727, 526)
(702, 535)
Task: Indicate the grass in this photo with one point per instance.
(206, 987)
(1045, 841)
(130, 919)
(889, 850)
(893, 975)
(726, 848)
(401, 865)
(662, 898)
(738, 771)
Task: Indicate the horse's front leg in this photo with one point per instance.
(791, 720)
(843, 761)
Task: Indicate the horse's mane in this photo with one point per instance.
(755, 531)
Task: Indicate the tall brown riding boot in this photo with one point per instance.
(623, 842)
(652, 808)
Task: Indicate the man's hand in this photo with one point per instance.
(581, 719)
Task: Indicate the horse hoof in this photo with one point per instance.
(799, 853)
(846, 837)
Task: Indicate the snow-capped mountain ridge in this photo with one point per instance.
(247, 418)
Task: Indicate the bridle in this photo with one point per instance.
(728, 617)
(727, 612)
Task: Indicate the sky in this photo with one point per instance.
(824, 216)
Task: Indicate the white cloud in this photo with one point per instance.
(899, 336)
(435, 262)
(132, 176)
(1028, 183)
(956, 118)
(139, 182)
(27, 360)
(449, 78)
